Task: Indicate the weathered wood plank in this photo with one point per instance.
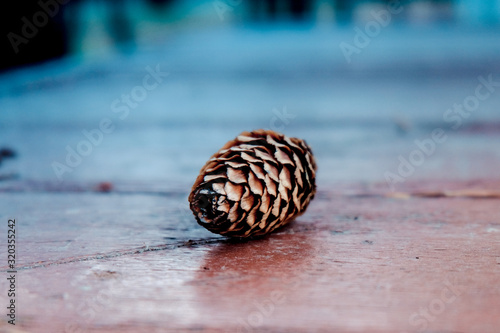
(66, 226)
(350, 264)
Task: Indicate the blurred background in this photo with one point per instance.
(42, 30)
(172, 80)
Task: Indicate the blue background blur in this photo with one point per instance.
(86, 27)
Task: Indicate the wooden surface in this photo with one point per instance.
(421, 257)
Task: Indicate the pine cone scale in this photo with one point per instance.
(283, 157)
(272, 172)
(264, 155)
(236, 176)
(266, 202)
(255, 184)
(271, 186)
(247, 201)
(233, 191)
(257, 170)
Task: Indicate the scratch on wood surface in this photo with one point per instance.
(115, 254)
(464, 193)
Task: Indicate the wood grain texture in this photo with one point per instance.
(351, 264)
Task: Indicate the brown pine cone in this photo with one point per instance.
(254, 184)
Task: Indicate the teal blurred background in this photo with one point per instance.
(88, 27)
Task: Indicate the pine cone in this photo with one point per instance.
(254, 184)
